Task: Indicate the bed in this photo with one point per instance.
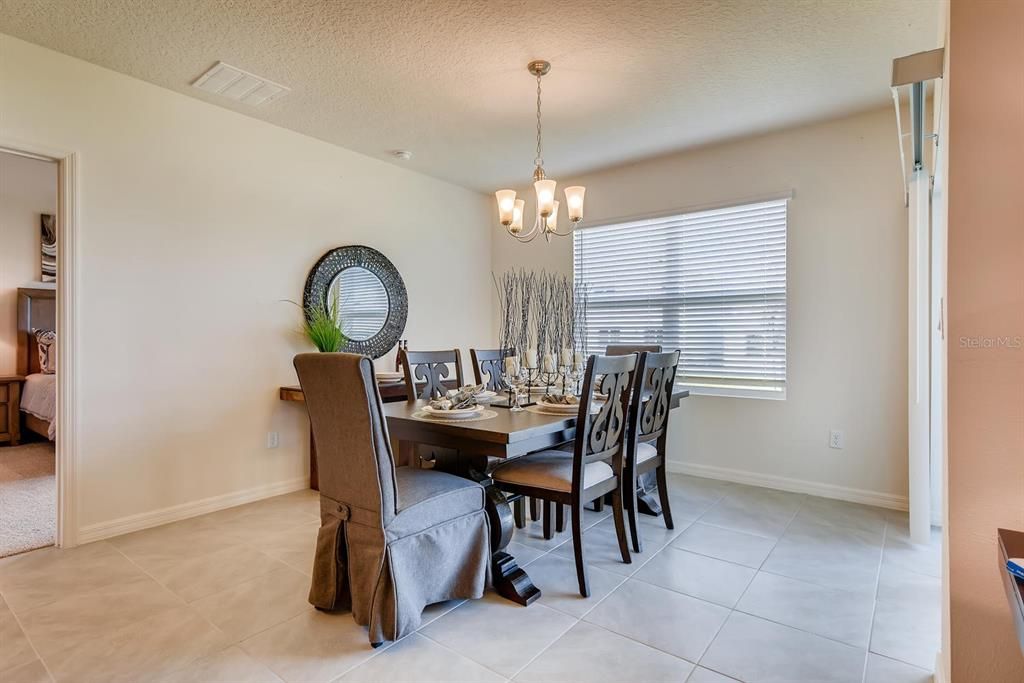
(37, 310)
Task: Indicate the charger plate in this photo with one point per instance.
(427, 417)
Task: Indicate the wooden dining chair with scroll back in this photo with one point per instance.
(425, 375)
(488, 368)
(431, 369)
(645, 444)
(595, 466)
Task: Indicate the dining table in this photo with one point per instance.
(507, 434)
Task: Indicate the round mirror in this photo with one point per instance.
(362, 303)
(372, 303)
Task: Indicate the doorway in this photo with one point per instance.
(38, 345)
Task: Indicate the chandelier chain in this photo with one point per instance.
(540, 159)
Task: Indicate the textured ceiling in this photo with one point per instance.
(447, 80)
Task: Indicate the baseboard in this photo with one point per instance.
(771, 481)
(176, 513)
(940, 669)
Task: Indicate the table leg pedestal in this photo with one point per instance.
(509, 579)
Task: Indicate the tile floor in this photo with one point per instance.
(752, 585)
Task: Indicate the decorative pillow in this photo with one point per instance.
(46, 340)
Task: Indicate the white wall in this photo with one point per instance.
(195, 223)
(28, 188)
(847, 279)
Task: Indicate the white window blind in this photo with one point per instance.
(362, 303)
(709, 283)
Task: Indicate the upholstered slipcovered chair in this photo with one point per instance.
(391, 540)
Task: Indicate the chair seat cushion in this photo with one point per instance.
(644, 452)
(427, 498)
(550, 470)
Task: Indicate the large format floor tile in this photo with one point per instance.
(525, 632)
(754, 511)
(313, 647)
(758, 651)
(702, 675)
(884, 670)
(149, 648)
(899, 552)
(556, 578)
(78, 619)
(33, 672)
(255, 605)
(592, 654)
(47, 575)
(701, 576)
(666, 620)
(416, 659)
(197, 577)
(232, 665)
(828, 612)
(725, 544)
(845, 559)
(15, 649)
(908, 632)
(601, 549)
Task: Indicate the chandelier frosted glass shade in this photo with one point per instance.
(545, 190)
(506, 206)
(574, 202)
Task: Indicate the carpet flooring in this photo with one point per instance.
(28, 498)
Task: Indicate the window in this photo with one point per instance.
(709, 283)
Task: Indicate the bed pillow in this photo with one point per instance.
(46, 340)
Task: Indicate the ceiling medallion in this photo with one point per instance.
(510, 209)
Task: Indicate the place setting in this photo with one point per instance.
(465, 404)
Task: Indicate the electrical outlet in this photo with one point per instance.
(835, 438)
(273, 441)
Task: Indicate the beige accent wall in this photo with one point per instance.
(28, 188)
(847, 282)
(986, 302)
(196, 222)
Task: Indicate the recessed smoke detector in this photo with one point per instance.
(239, 85)
(402, 154)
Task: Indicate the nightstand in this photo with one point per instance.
(10, 404)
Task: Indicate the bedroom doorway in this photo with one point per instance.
(37, 240)
(28, 353)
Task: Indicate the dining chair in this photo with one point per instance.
(645, 443)
(430, 368)
(392, 540)
(625, 350)
(488, 367)
(594, 467)
(489, 364)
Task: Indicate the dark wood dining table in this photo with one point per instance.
(506, 435)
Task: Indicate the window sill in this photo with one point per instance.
(772, 394)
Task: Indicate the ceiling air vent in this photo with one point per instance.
(240, 86)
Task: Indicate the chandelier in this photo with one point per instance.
(510, 209)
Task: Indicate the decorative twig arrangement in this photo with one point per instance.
(543, 317)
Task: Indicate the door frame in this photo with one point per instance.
(68, 231)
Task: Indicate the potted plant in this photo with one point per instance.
(322, 326)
